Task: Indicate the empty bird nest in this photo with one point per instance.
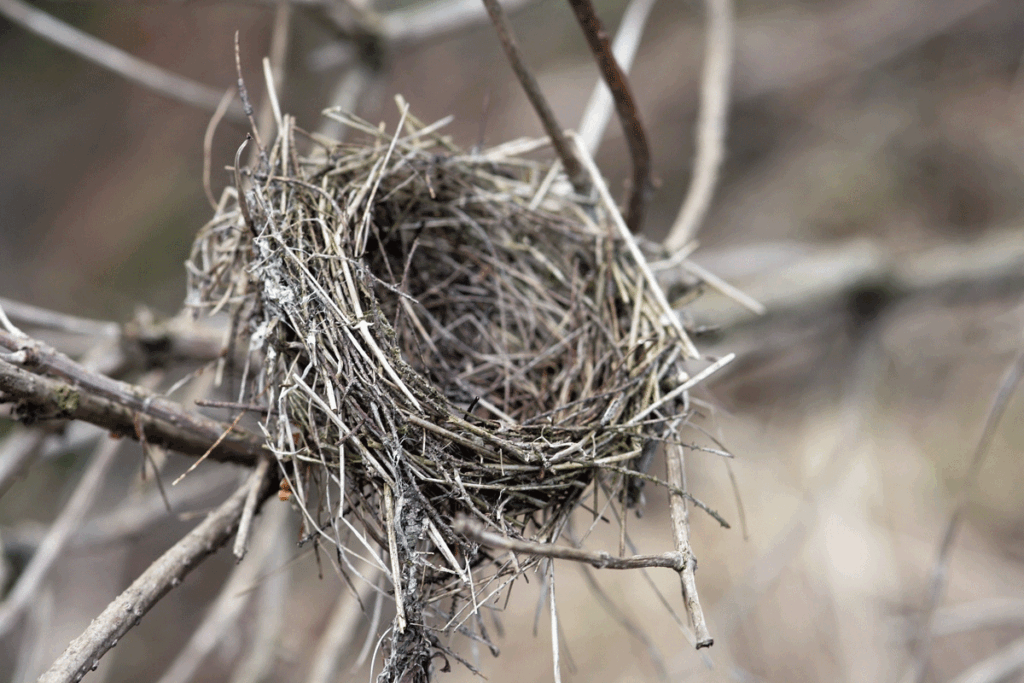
(445, 345)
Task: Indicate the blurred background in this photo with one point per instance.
(872, 196)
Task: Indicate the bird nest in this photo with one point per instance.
(433, 334)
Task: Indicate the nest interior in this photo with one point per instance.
(435, 333)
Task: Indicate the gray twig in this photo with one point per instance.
(474, 530)
(78, 393)
(711, 123)
(164, 574)
(58, 536)
(681, 531)
(92, 49)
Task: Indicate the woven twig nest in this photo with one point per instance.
(436, 333)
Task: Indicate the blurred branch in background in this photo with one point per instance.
(711, 123)
(137, 71)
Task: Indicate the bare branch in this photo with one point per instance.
(632, 127)
(1011, 380)
(17, 450)
(600, 105)
(115, 406)
(570, 161)
(35, 316)
(474, 530)
(681, 531)
(57, 537)
(222, 616)
(711, 123)
(164, 574)
(432, 20)
(113, 59)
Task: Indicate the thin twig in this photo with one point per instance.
(56, 539)
(632, 127)
(570, 160)
(164, 574)
(600, 105)
(211, 128)
(242, 537)
(711, 123)
(681, 531)
(223, 614)
(940, 570)
(35, 316)
(553, 607)
(474, 530)
(94, 50)
(340, 632)
(20, 447)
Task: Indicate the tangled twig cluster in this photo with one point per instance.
(435, 334)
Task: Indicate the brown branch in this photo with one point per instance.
(165, 573)
(475, 531)
(681, 531)
(79, 394)
(113, 59)
(570, 161)
(632, 127)
(599, 107)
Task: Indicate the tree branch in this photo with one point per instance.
(681, 531)
(474, 530)
(570, 161)
(165, 573)
(600, 105)
(711, 123)
(115, 406)
(113, 59)
(633, 128)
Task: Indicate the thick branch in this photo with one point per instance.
(119, 407)
(129, 607)
(570, 161)
(633, 128)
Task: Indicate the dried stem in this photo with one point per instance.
(570, 161)
(633, 128)
(118, 61)
(711, 123)
(681, 531)
(164, 574)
